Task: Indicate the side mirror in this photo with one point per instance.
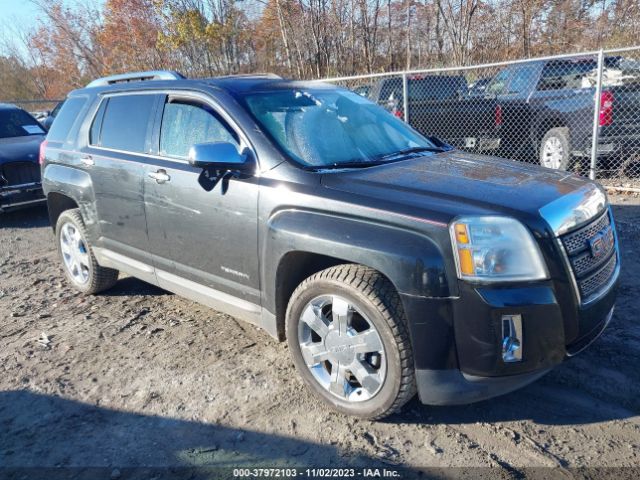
(218, 156)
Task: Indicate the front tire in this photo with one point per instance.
(348, 337)
(78, 261)
(555, 149)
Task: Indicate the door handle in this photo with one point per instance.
(88, 161)
(160, 176)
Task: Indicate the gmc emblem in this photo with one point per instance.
(601, 243)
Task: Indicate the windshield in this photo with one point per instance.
(18, 123)
(333, 128)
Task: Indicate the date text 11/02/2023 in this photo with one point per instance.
(317, 472)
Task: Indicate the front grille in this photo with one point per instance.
(592, 284)
(19, 173)
(592, 255)
(577, 241)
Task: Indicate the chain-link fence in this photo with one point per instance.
(578, 112)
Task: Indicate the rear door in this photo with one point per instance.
(119, 139)
(204, 242)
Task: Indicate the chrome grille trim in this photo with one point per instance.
(575, 242)
(590, 278)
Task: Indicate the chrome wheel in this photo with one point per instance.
(342, 348)
(74, 253)
(552, 153)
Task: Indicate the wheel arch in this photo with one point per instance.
(58, 203)
(67, 187)
(300, 244)
(544, 125)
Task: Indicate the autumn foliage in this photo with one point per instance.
(299, 38)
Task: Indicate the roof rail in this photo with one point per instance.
(136, 77)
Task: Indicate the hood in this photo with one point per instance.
(20, 149)
(455, 183)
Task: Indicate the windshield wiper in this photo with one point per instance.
(381, 160)
(408, 151)
(338, 166)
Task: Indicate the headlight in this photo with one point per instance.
(495, 249)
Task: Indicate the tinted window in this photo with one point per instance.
(125, 122)
(498, 85)
(557, 75)
(522, 80)
(436, 87)
(18, 123)
(186, 124)
(94, 134)
(65, 119)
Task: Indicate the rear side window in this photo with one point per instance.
(125, 123)
(185, 124)
(436, 88)
(558, 75)
(65, 119)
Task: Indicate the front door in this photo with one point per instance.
(204, 243)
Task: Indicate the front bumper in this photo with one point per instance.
(453, 387)
(18, 196)
(458, 341)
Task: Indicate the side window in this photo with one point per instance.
(96, 126)
(498, 85)
(125, 122)
(522, 80)
(65, 119)
(187, 123)
(565, 74)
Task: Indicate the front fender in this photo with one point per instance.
(412, 261)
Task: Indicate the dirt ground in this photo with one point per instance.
(138, 377)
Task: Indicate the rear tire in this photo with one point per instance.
(555, 149)
(78, 261)
(357, 357)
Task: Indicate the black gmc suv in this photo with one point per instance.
(390, 263)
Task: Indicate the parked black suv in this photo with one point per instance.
(389, 263)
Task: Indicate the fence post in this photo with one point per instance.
(596, 117)
(405, 97)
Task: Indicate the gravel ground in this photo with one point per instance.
(140, 377)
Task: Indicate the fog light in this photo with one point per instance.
(511, 338)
